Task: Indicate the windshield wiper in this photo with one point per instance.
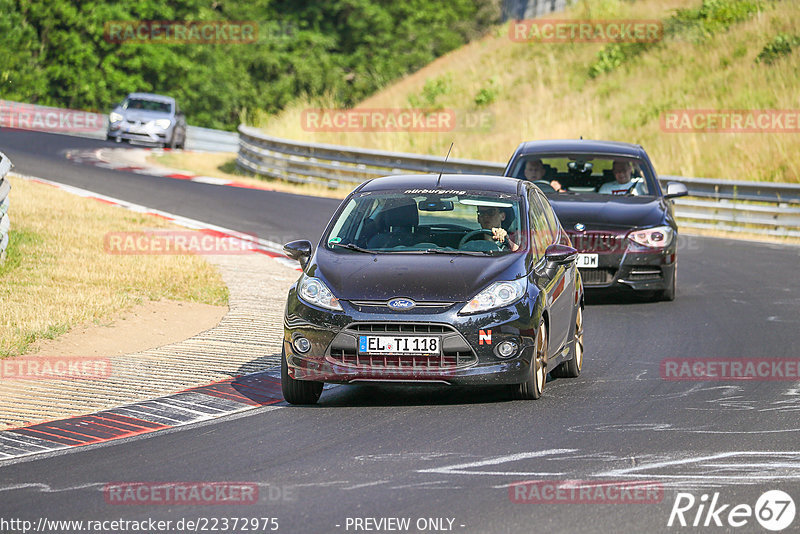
(465, 252)
(351, 246)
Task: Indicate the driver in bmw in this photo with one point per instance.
(491, 218)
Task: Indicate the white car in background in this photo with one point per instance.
(148, 118)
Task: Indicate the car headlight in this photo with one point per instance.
(314, 291)
(114, 117)
(658, 237)
(497, 295)
(163, 123)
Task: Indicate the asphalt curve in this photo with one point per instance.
(436, 455)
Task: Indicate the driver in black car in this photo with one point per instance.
(535, 171)
(491, 218)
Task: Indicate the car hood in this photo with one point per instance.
(142, 115)
(422, 277)
(602, 211)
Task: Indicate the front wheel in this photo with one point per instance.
(669, 293)
(532, 388)
(572, 367)
(298, 391)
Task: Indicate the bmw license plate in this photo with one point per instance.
(398, 345)
(587, 261)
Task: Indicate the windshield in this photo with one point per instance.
(469, 222)
(585, 174)
(147, 105)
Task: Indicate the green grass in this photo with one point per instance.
(716, 55)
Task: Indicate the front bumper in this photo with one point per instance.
(468, 358)
(623, 264)
(140, 133)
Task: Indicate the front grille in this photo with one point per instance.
(385, 304)
(597, 277)
(598, 241)
(456, 351)
(402, 328)
(447, 360)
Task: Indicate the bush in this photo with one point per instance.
(698, 24)
(780, 46)
(486, 95)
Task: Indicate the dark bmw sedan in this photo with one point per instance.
(461, 280)
(608, 198)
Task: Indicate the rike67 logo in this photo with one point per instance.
(774, 510)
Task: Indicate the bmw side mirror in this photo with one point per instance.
(675, 190)
(299, 250)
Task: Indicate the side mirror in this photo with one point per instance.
(557, 254)
(676, 189)
(299, 250)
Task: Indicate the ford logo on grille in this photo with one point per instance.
(401, 304)
(580, 227)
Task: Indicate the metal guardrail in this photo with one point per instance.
(756, 207)
(95, 125)
(5, 220)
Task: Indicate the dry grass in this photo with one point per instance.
(57, 274)
(223, 165)
(543, 91)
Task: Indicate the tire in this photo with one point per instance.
(532, 388)
(669, 293)
(572, 367)
(298, 391)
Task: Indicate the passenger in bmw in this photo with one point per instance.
(622, 184)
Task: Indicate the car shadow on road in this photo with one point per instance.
(368, 395)
(603, 297)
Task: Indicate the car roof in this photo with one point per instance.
(554, 146)
(152, 96)
(499, 184)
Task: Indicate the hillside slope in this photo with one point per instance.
(716, 54)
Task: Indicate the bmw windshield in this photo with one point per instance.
(429, 221)
(586, 174)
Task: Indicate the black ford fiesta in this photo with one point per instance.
(451, 279)
(608, 197)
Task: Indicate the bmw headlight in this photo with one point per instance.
(497, 295)
(163, 123)
(657, 237)
(314, 291)
(114, 117)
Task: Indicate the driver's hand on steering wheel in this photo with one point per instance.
(501, 236)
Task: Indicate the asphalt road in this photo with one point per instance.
(428, 453)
